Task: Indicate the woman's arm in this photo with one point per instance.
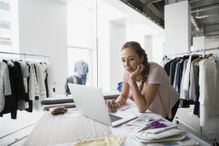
(143, 100)
(121, 99)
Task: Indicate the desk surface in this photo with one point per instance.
(65, 129)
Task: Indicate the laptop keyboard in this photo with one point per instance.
(114, 118)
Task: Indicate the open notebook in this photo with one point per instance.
(90, 102)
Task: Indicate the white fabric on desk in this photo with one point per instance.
(66, 128)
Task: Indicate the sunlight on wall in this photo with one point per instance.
(103, 32)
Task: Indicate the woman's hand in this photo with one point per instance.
(112, 105)
(137, 72)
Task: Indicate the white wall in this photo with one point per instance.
(117, 39)
(212, 42)
(104, 57)
(203, 42)
(158, 50)
(198, 43)
(126, 25)
(42, 30)
(42, 25)
(148, 44)
(14, 26)
(177, 28)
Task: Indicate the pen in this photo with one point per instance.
(148, 125)
(155, 131)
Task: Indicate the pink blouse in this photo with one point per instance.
(166, 97)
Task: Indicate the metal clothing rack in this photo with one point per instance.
(195, 51)
(209, 49)
(24, 54)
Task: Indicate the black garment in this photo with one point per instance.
(179, 76)
(173, 70)
(30, 102)
(174, 110)
(184, 103)
(46, 85)
(19, 83)
(196, 110)
(167, 67)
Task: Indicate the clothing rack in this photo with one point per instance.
(24, 54)
(195, 51)
(177, 118)
(209, 49)
(32, 65)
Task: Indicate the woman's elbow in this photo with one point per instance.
(142, 110)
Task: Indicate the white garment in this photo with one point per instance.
(209, 97)
(33, 86)
(185, 81)
(182, 93)
(25, 73)
(5, 85)
(41, 75)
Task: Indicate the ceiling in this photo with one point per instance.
(204, 14)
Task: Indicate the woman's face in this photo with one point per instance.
(130, 59)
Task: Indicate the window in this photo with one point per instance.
(82, 36)
(5, 24)
(8, 26)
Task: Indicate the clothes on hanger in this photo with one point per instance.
(23, 83)
(196, 79)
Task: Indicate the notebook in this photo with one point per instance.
(90, 102)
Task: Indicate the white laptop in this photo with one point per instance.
(90, 102)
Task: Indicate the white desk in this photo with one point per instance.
(65, 129)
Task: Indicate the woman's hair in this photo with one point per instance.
(141, 53)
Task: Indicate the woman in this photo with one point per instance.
(146, 82)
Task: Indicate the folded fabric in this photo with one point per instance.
(60, 100)
(111, 140)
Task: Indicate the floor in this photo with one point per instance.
(14, 132)
(189, 121)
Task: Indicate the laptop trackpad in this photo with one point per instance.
(121, 117)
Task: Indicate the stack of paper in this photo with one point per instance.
(141, 122)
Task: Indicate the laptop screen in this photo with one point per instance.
(90, 102)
